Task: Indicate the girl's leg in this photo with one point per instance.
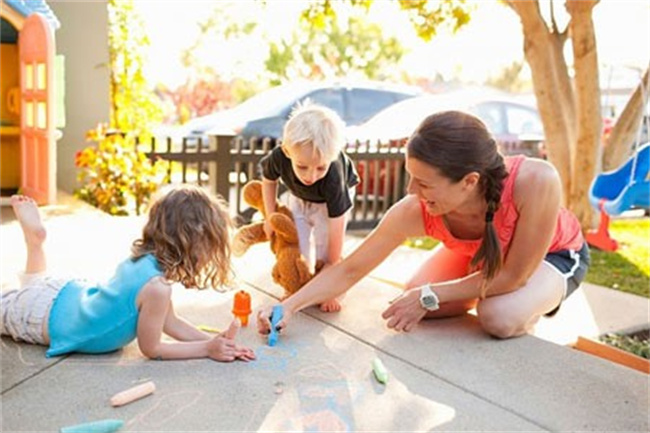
(33, 230)
(516, 313)
(443, 265)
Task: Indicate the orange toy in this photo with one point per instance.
(242, 306)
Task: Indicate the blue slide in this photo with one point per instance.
(622, 189)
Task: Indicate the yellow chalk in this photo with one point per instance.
(133, 394)
(207, 328)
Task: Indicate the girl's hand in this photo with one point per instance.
(223, 347)
(264, 320)
(405, 311)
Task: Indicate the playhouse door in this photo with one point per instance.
(37, 134)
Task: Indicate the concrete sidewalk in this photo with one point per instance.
(446, 375)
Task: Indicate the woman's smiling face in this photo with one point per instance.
(441, 194)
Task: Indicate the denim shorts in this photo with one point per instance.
(572, 265)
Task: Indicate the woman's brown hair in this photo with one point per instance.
(188, 232)
(458, 143)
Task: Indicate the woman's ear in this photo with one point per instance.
(471, 179)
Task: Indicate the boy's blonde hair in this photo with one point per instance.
(319, 126)
(188, 231)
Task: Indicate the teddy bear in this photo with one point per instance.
(291, 270)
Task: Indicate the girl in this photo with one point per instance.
(185, 240)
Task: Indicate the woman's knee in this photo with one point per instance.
(500, 321)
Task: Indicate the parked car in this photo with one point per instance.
(265, 114)
(516, 126)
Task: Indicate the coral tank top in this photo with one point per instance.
(567, 236)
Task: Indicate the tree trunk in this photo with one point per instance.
(543, 52)
(589, 121)
(619, 143)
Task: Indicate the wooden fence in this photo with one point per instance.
(225, 163)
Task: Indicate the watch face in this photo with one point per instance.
(429, 301)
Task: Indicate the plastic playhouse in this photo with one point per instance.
(28, 104)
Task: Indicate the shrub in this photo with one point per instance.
(115, 175)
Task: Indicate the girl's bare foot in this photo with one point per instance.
(29, 217)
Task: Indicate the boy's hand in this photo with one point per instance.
(264, 320)
(268, 229)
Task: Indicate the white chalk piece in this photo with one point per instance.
(133, 394)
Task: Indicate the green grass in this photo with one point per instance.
(627, 269)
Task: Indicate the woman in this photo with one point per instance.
(507, 246)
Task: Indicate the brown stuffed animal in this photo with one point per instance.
(291, 270)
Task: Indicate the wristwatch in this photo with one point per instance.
(428, 298)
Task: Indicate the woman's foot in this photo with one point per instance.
(29, 217)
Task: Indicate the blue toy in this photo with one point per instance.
(276, 316)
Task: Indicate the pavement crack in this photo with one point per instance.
(37, 373)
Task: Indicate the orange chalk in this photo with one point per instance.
(133, 394)
(242, 306)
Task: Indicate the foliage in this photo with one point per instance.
(426, 16)
(115, 175)
(353, 47)
(633, 344)
(509, 79)
(198, 97)
(134, 107)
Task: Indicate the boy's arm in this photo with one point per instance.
(269, 195)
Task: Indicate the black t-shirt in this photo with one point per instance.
(333, 189)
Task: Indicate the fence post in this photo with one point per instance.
(219, 171)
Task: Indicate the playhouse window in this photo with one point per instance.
(41, 115)
(29, 77)
(41, 76)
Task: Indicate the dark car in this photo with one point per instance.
(265, 114)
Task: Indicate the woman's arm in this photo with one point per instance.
(402, 220)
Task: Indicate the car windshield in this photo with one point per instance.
(272, 101)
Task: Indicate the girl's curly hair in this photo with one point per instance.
(188, 232)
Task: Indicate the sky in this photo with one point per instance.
(491, 41)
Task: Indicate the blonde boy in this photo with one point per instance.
(320, 178)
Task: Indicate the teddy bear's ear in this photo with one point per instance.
(252, 193)
(284, 227)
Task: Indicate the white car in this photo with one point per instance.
(516, 126)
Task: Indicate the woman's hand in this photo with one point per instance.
(405, 311)
(223, 347)
(264, 320)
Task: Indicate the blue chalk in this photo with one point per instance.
(103, 426)
(276, 316)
